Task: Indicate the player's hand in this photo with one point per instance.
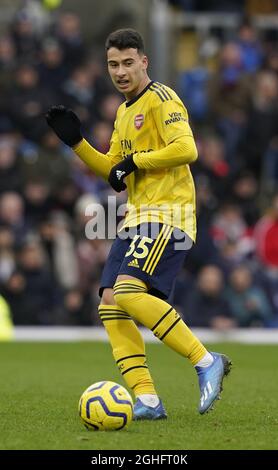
(65, 124)
(119, 172)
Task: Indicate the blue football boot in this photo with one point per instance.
(141, 411)
(210, 380)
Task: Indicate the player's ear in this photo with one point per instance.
(145, 62)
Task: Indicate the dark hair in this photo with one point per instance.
(125, 39)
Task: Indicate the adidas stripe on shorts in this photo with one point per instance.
(153, 252)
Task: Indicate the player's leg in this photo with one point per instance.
(131, 294)
(161, 318)
(127, 345)
(125, 338)
(166, 324)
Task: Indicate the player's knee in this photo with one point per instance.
(107, 297)
(121, 294)
(121, 299)
(126, 293)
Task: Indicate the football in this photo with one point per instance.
(105, 406)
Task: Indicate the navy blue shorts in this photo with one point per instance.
(151, 252)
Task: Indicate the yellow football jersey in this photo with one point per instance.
(150, 122)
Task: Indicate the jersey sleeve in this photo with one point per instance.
(115, 153)
(171, 120)
(98, 162)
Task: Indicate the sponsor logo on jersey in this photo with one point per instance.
(175, 117)
(139, 121)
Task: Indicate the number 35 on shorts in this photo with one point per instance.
(150, 249)
(139, 249)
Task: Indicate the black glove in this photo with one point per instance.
(120, 171)
(65, 124)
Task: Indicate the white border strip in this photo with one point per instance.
(50, 333)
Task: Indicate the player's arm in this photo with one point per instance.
(98, 162)
(67, 126)
(171, 120)
(180, 152)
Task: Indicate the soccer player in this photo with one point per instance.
(150, 151)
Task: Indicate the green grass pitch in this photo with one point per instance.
(41, 384)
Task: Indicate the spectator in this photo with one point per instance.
(266, 237)
(78, 309)
(247, 302)
(31, 290)
(212, 165)
(68, 32)
(266, 241)
(206, 306)
(7, 255)
(10, 176)
(229, 95)
(52, 69)
(250, 47)
(38, 201)
(24, 36)
(59, 245)
(262, 122)
(245, 194)
(228, 224)
(79, 93)
(28, 101)
(12, 214)
(7, 61)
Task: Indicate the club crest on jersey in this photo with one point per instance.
(139, 121)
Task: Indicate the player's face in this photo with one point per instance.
(128, 70)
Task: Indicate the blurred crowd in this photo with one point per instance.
(49, 270)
